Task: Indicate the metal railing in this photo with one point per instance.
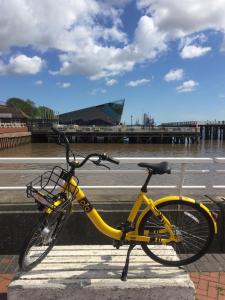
(128, 129)
(12, 125)
(118, 128)
(182, 171)
(193, 123)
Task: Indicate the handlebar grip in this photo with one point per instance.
(114, 161)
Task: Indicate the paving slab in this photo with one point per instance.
(93, 272)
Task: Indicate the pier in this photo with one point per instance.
(209, 130)
(117, 134)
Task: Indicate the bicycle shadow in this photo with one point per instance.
(108, 267)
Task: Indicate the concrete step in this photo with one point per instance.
(93, 272)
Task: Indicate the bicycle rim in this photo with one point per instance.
(42, 239)
(190, 223)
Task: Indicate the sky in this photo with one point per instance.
(164, 57)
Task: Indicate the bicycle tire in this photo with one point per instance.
(53, 222)
(193, 224)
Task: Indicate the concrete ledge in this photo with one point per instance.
(93, 272)
(18, 219)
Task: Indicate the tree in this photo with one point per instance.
(29, 107)
(45, 113)
(26, 106)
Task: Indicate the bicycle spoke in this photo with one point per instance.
(190, 225)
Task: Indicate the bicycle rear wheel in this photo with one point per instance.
(42, 238)
(190, 223)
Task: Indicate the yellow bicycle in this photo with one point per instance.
(176, 223)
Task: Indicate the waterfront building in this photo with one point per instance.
(148, 120)
(12, 114)
(13, 129)
(104, 114)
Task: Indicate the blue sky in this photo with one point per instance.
(165, 57)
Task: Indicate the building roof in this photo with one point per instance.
(105, 114)
(7, 112)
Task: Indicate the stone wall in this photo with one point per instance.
(14, 138)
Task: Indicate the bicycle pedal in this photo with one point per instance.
(117, 244)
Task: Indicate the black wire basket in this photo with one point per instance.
(52, 185)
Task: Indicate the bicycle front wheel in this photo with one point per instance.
(42, 238)
(191, 224)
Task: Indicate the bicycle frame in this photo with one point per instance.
(133, 235)
(110, 231)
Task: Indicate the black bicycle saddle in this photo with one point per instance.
(160, 168)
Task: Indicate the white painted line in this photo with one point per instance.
(192, 160)
(103, 171)
(218, 186)
(220, 160)
(10, 188)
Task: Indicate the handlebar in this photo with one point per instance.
(101, 157)
(65, 139)
(60, 134)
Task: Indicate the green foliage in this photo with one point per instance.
(29, 107)
(26, 106)
(45, 113)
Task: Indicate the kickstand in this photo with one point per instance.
(125, 269)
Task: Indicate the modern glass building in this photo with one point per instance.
(104, 114)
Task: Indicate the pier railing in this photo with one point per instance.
(114, 129)
(183, 168)
(12, 125)
(127, 129)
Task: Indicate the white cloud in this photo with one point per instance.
(172, 75)
(98, 91)
(79, 35)
(89, 34)
(34, 23)
(187, 86)
(138, 82)
(111, 82)
(22, 65)
(193, 38)
(148, 42)
(181, 18)
(39, 82)
(63, 85)
(192, 51)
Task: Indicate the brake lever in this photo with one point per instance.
(98, 163)
(107, 167)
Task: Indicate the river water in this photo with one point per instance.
(105, 177)
(204, 149)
